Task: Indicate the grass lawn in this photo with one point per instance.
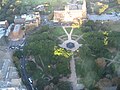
(59, 31)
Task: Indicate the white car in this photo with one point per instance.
(21, 45)
(30, 80)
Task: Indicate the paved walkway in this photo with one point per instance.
(8, 70)
(73, 77)
(69, 40)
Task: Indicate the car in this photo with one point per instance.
(12, 47)
(21, 66)
(17, 47)
(24, 38)
(21, 45)
(30, 80)
(21, 49)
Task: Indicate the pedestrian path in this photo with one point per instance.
(73, 46)
(73, 76)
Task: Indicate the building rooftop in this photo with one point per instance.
(75, 7)
(1, 64)
(17, 33)
(9, 29)
(5, 66)
(1, 35)
(25, 17)
(12, 88)
(19, 21)
(30, 17)
(2, 31)
(17, 28)
(3, 24)
(103, 17)
(71, 7)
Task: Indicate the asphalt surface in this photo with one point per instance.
(16, 43)
(24, 75)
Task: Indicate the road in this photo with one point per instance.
(24, 75)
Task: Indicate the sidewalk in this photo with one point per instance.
(9, 77)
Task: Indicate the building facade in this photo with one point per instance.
(72, 12)
(17, 32)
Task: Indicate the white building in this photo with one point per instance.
(103, 17)
(4, 24)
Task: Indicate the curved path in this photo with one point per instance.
(24, 74)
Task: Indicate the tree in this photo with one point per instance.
(64, 86)
(93, 48)
(40, 45)
(114, 39)
(95, 42)
(17, 54)
(31, 67)
(41, 83)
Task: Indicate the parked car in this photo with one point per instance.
(30, 80)
(12, 47)
(22, 44)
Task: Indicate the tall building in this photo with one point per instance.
(72, 11)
